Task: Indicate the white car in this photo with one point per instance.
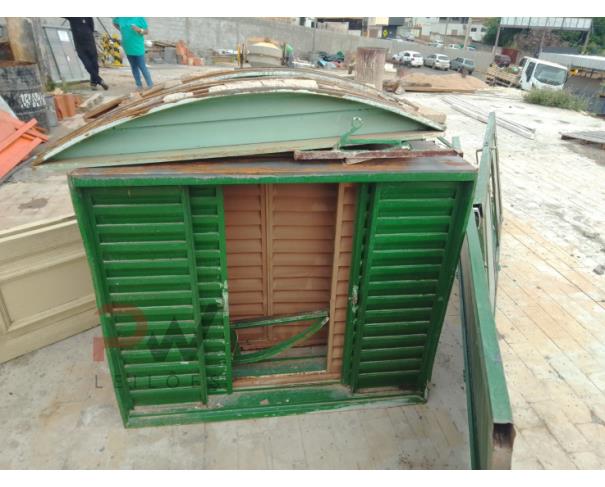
(416, 60)
(411, 58)
(437, 61)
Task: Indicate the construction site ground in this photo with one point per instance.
(58, 408)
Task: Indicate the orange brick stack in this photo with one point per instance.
(185, 56)
(66, 105)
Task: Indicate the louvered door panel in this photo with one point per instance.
(161, 284)
(246, 258)
(142, 249)
(280, 255)
(411, 234)
(301, 221)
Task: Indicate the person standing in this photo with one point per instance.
(82, 30)
(133, 30)
(289, 55)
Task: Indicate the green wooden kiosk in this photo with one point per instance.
(267, 242)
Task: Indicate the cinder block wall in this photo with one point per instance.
(203, 33)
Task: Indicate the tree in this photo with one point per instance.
(507, 35)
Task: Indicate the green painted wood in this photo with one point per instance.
(460, 215)
(359, 237)
(222, 124)
(404, 276)
(490, 416)
(269, 403)
(197, 305)
(220, 173)
(253, 357)
(90, 239)
(163, 300)
(407, 235)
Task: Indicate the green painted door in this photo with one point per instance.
(406, 246)
(158, 262)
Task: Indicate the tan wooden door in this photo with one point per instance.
(46, 292)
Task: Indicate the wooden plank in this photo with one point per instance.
(283, 379)
(335, 265)
(592, 137)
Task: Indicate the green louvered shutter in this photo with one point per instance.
(208, 230)
(158, 263)
(407, 242)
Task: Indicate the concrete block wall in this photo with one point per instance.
(204, 33)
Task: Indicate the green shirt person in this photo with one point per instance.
(133, 30)
(289, 55)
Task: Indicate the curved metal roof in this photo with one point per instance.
(242, 112)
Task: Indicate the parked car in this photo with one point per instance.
(463, 64)
(437, 61)
(436, 44)
(471, 48)
(502, 60)
(410, 58)
(453, 46)
(416, 60)
(409, 37)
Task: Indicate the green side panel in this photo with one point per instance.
(405, 256)
(489, 410)
(227, 122)
(164, 319)
(490, 417)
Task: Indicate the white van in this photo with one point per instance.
(536, 73)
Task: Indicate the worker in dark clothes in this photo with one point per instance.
(82, 29)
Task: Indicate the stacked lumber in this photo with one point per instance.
(17, 140)
(501, 77)
(186, 56)
(443, 83)
(477, 113)
(425, 111)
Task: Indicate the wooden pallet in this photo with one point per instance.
(496, 76)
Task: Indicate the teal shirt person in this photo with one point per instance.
(133, 43)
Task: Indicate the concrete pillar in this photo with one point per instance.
(497, 39)
(585, 46)
(468, 31)
(21, 39)
(369, 66)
